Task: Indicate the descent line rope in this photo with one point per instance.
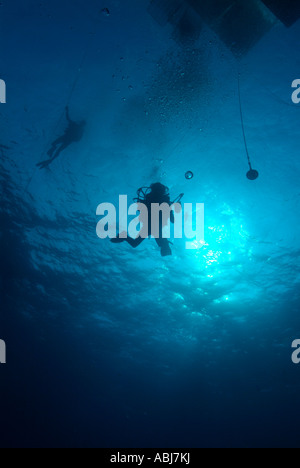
(252, 174)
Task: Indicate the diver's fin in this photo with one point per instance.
(117, 240)
(166, 250)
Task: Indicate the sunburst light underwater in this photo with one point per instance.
(109, 346)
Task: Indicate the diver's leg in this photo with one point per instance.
(51, 151)
(134, 243)
(55, 143)
(44, 164)
(59, 150)
(164, 246)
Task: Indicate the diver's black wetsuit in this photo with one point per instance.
(155, 196)
(73, 134)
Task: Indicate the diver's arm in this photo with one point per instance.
(172, 217)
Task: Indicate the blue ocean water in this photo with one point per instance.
(113, 347)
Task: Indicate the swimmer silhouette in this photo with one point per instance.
(156, 193)
(73, 134)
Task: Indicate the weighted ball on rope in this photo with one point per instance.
(252, 174)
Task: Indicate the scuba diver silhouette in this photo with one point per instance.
(73, 134)
(156, 193)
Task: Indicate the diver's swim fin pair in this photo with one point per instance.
(166, 252)
(165, 248)
(117, 240)
(163, 244)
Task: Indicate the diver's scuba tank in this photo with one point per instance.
(143, 192)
